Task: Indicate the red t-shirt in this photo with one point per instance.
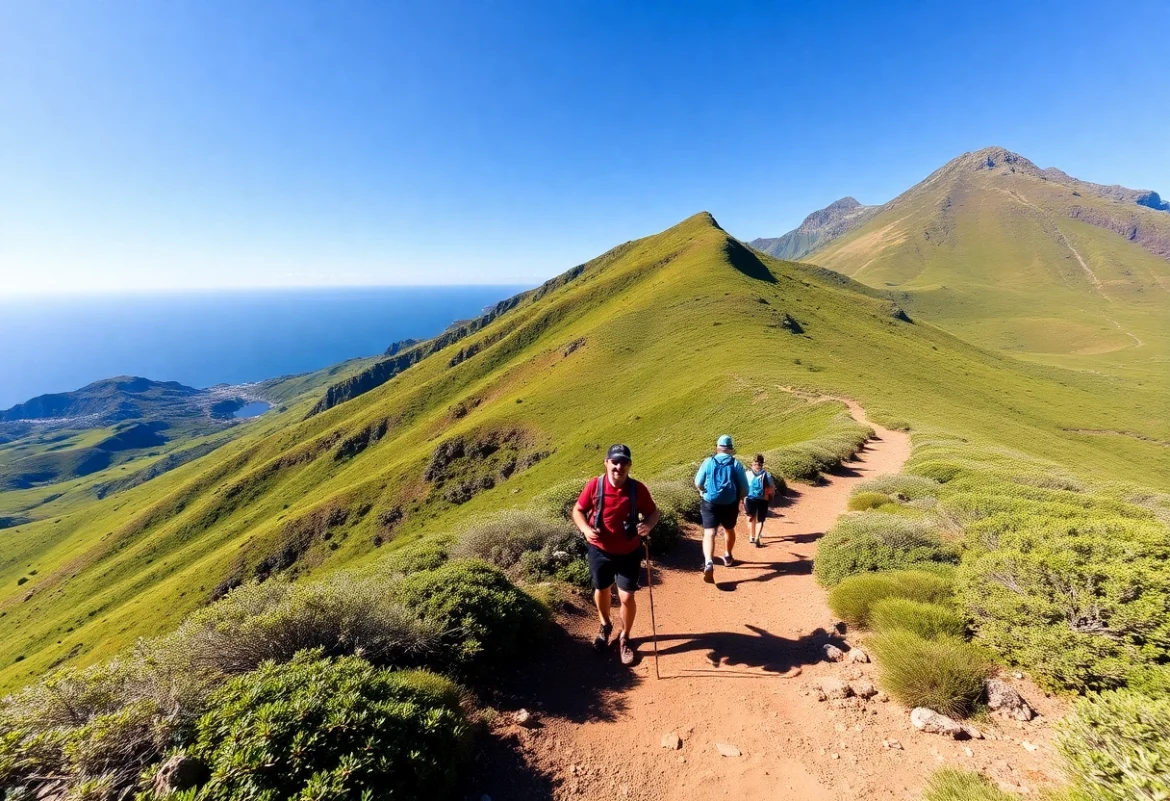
(615, 511)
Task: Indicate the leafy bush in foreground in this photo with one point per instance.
(1081, 602)
(879, 541)
(679, 495)
(927, 620)
(315, 728)
(953, 784)
(485, 618)
(1116, 747)
(945, 675)
(339, 615)
(852, 600)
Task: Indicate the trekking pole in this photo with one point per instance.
(653, 624)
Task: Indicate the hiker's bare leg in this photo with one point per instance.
(708, 545)
(729, 538)
(752, 529)
(601, 599)
(629, 610)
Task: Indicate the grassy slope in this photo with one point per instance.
(992, 255)
(681, 341)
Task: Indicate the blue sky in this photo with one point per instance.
(223, 143)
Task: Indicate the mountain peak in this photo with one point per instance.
(989, 158)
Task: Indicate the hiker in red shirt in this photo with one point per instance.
(615, 512)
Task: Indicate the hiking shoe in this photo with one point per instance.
(728, 560)
(709, 572)
(602, 638)
(759, 542)
(625, 651)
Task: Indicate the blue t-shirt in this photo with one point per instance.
(721, 479)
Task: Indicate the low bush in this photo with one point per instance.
(316, 728)
(340, 615)
(864, 501)
(853, 599)
(879, 541)
(557, 501)
(945, 674)
(678, 495)
(900, 485)
(485, 619)
(927, 620)
(939, 470)
(1116, 747)
(421, 554)
(524, 544)
(953, 784)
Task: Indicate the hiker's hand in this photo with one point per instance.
(644, 531)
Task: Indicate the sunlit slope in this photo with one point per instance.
(1025, 260)
(663, 343)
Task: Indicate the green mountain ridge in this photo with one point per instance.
(1024, 260)
(824, 225)
(663, 343)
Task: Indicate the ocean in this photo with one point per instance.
(206, 338)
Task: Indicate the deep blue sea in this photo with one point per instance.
(205, 338)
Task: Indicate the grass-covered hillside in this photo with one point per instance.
(1028, 261)
(662, 343)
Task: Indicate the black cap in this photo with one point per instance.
(619, 452)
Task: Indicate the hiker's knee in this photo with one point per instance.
(626, 597)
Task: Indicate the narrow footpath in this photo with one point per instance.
(739, 662)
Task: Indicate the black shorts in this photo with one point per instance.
(605, 568)
(756, 508)
(718, 514)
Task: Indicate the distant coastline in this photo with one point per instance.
(206, 338)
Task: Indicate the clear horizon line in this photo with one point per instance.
(123, 291)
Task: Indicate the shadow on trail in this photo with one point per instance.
(801, 566)
(756, 648)
(564, 679)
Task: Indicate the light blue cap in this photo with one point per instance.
(725, 441)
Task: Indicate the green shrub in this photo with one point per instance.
(314, 728)
(900, 485)
(340, 615)
(864, 501)
(678, 495)
(557, 501)
(953, 784)
(486, 619)
(1116, 747)
(1082, 602)
(794, 465)
(927, 620)
(522, 543)
(945, 675)
(940, 470)
(422, 554)
(853, 598)
(879, 541)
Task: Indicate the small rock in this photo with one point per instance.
(1017, 675)
(971, 731)
(932, 722)
(894, 744)
(834, 688)
(967, 750)
(856, 656)
(180, 772)
(522, 717)
(1003, 698)
(863, 688)
(834, 756)
(1029, 746)
(728, 750)
(881, 697)
(671, 741)
(833, 653)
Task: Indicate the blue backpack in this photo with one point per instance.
(724, 487)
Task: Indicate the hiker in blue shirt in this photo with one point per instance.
(761, 489)
(722, 482)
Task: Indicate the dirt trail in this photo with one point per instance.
(726, 654)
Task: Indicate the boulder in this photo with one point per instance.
(1003, 698)
(932, 722)
(179, 772)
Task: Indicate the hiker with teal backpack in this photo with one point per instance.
(761, 489)
(722, 483)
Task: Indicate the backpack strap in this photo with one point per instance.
(598, 502)
(633, 493)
